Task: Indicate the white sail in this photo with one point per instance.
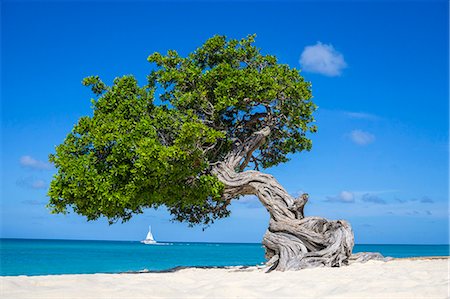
(149, 239)
(149, 234)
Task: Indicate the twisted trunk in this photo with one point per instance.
(292, 241)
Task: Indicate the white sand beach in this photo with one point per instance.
(400, 278)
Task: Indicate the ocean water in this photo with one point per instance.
(44, 257)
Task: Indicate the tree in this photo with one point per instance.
(222, 113)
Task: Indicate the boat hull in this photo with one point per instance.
(148, 242)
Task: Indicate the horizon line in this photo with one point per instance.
(205, 242)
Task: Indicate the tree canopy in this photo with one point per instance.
(155, 145)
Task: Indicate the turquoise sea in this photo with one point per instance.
(44, 257)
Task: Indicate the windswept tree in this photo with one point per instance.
(195, 138)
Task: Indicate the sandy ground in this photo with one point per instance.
(402, 278)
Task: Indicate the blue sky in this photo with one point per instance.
(379, 72)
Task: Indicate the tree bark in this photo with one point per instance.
(292, 241)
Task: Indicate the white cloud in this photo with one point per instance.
(32, 183)
(361, 137)
(361, 115)
(30, 162)
(347, 196)
(38, 184)
(426, 199)
(344, 196)
(372, 198)
(34, 202)
(322, 59)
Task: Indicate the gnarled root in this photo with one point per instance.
(310, 242)
(292, 241)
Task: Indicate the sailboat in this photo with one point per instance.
(149, 239)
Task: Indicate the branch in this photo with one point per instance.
(250, 153)
(298, 206)
(245, 150)
(253, 119)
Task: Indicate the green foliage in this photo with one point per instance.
(139, 152)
